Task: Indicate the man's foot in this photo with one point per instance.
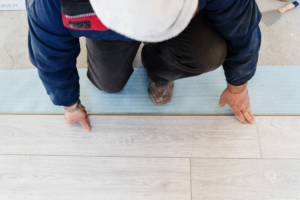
(160, 94)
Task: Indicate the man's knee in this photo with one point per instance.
(199, 59)
(209, 58)
(199, 48)
(112, 88)
(109, 84)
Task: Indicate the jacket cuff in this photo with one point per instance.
(240, 81)
(66, 104)
(71, 103)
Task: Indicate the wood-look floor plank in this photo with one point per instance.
(245, 179)
(151, 136)
(93, 178)
(279, 136)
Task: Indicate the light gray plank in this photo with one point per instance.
(154, 136)
(92, 178)
(279, 136)
(245, 179)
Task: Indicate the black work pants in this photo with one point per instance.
(197, 50)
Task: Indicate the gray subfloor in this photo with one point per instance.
(280, 42)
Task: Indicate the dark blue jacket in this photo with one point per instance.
(53, 47)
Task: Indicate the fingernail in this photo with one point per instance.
(252, 122)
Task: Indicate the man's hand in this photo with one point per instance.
(238, 99)
(79, 116)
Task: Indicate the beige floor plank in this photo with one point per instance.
(94, 178)
(279, 136)
(245, 179)
(151, 136)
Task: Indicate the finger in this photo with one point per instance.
(240, 117)
(250, 112)
(87, 116)
(83, 107)
(222, 102)
(248, 106)
(247, 116)
(85, 125)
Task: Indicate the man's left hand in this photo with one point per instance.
(238, 99)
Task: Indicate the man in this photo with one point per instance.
(184, 38)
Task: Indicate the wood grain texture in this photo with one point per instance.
(150, 136)
(245, 179)
(93, 178)
(279, 136)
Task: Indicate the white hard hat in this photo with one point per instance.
(146, 20)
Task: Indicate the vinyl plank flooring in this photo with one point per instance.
(93, 178)
(150, 136)
(245, 179)
(279, 136)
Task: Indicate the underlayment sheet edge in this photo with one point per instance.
(274, 90)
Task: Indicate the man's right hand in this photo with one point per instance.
(238, 99)
(79, 116)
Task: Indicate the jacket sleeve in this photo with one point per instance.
(237, 21)
(53, 51)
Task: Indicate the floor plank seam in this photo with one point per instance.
(191, 182)
(140, 114)
(210, 158)
(258, 141)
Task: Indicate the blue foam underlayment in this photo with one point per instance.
(273, 90)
